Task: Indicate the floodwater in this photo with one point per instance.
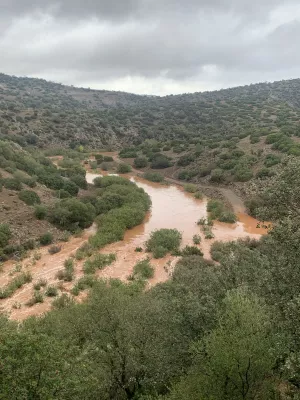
(171, 208)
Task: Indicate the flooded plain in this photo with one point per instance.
(171, 208)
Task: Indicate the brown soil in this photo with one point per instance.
(20, 216)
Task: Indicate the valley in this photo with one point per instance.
(172, 208)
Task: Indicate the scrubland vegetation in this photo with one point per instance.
(224, 329)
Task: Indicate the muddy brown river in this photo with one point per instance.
(171, 208)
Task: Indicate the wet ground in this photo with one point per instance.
(171, 208)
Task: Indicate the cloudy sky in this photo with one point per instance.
(151, 46)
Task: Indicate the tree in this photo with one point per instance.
(235, 360)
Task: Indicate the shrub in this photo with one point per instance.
(217, 175)
(62, 194)
(159, 252)
(79, 181)
(153, 176)
(12, 184)
(29, 244)
(228, 217)
(93, 164)
(69, 214)
(196, 239)
(46, 238)
(198, 195)
(99, 261)
(99, 158)
(84, 251)
(39, 284)
(191, 251)
(54, 249)
(86, 282)
(185, 160)
(272, 159)
(140, 162)
(124, 168)
(207, 232)
(105, 181)
(218, 211)
(163, 241)
(62, 301)
(67, 274)
(29, 197)
(201, 221)
(108, 159)
(190, 188)
(51, 291)
(143, 270)
(138, 249)
(70, 187)
(128, 152)
(5, 234)
(15, 284)
(40, 212)
(160, 161)
(264, 173)
(242, 173)
(36, 298)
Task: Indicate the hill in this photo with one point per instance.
(225, 136)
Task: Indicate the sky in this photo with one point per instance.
(151, 46)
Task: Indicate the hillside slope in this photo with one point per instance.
(35, 111)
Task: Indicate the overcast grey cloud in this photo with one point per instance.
(151, 46)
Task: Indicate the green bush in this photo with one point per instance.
(62, 301)
(218, 211)
(79, 181)
(190, 188)
(160, 161)
(51, 291)
(191, 251)
(196, 239)
(36, 298)
(29, 197)
(272, 159)
(67, 274)
(163, 241)
(143, 270)
(46, 238)
(12, 184)
(128, 152)
(153, 176)
(140, 162)
(217, 175)
(5, 234)
(228, 217)
(124, 168)
(159, 252)
(70, 187)
(15, 284)
(108, 159)
(40, 212)
(98, 262)
(99, 158)
(71, 214)
(106, 181)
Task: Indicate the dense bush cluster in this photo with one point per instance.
(218, 211)
(29, 197)
(163, 241)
